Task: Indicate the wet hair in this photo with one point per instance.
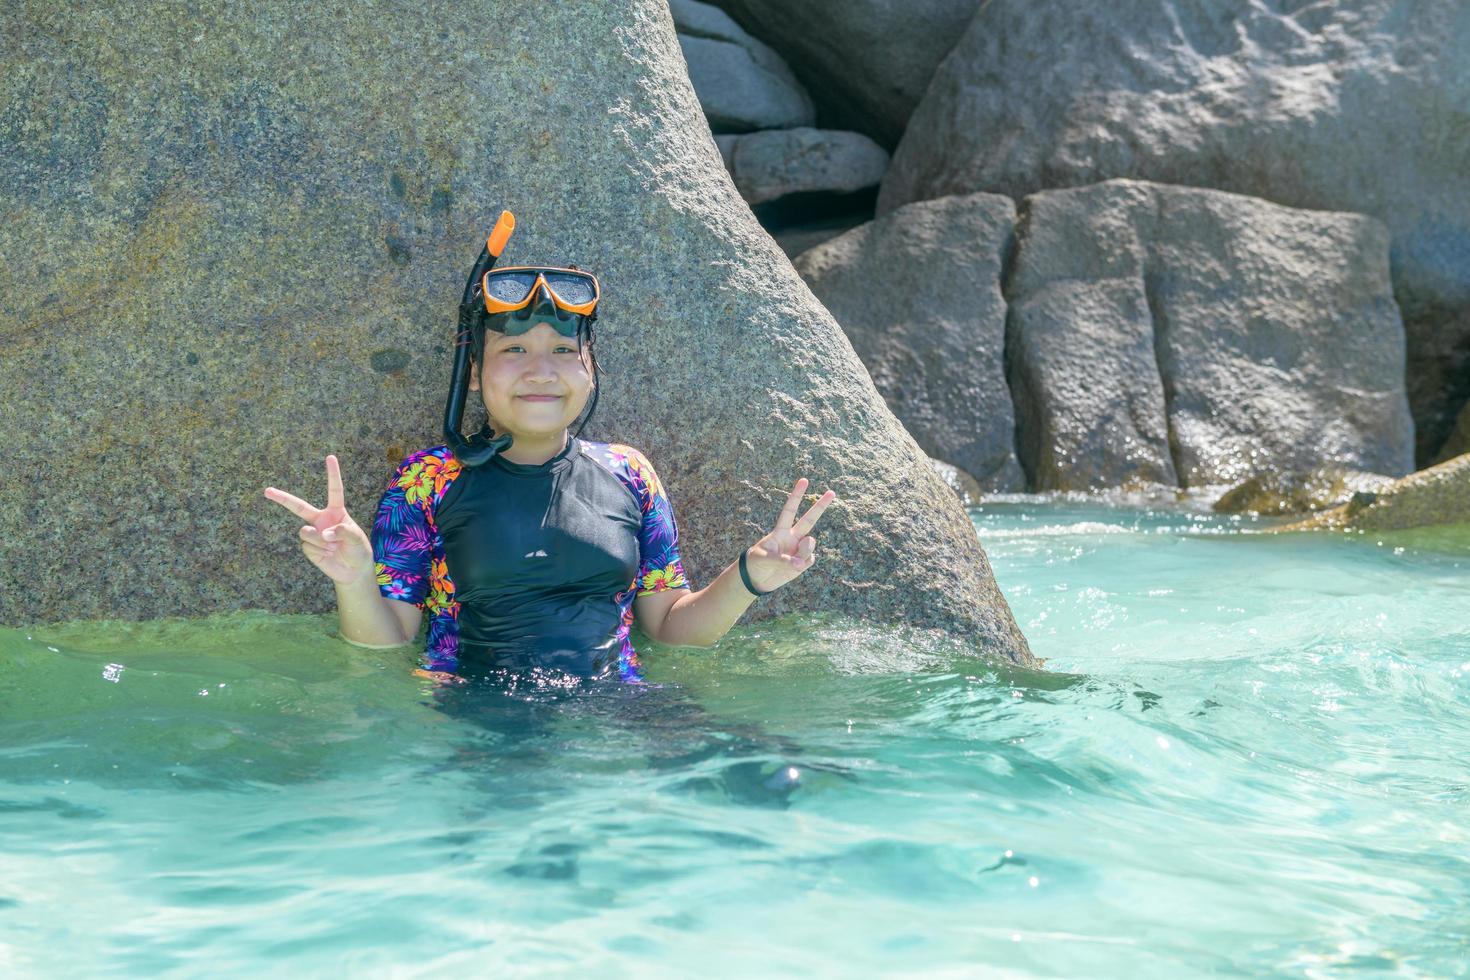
(586, 340)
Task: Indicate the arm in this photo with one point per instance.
(678, 617)
(367, 618)
(665, 608)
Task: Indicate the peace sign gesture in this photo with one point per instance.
(331, 540)
(789, 549)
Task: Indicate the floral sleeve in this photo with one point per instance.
(659, 565)
(402, 541)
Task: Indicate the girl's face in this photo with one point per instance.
(535, 384)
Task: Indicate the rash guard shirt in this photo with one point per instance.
(525, 566)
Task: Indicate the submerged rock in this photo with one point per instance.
(1280, 494)
(1192, 337)
(918, 294)
(1355, 105)
(773, 163)
(1437, 497)
(209, 240)
(742, 84)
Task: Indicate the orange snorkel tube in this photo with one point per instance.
(480, 448)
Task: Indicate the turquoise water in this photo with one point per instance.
(1248, 757)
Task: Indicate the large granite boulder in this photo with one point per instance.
(1177, 335)
(866, 62)
(918, 294)
(1437, 497)
(235, 237)
(742, 84)
(775, 162)
(1357, 105)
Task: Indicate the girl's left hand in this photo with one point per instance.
(788, 550)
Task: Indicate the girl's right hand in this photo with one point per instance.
(331, 540)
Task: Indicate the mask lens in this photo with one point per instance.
(571, 288)
(509, 287)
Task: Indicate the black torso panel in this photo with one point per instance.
(540, 556)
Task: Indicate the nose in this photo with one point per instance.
(541, 367)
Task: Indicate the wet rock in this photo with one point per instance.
(235, 205)
(1437, 497)
(918, 294)
(742, 84)
(1357, 105)
(1279, 494)
(965, 486)
(773, 163)
(1184, 336)
(867, 62)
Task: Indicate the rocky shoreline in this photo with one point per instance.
(1172, 243)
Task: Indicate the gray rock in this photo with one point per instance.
(240, 247)
(741, 83)
(1089, 401)
(799, 238)
(918, 294)
(1357, 105)
(867, 62)
(1165, 333)
(776, 162)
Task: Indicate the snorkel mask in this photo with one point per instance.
(512, 301)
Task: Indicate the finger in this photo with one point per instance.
(814, 513)
(294, 504)
(806, 547)
(309, 533)
(788, 513)
(334, 483)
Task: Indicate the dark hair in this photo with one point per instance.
(586, 340)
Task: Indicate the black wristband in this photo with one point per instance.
(745, 577)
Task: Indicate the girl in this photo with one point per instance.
(528, 547)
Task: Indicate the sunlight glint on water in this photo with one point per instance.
(1247, 756)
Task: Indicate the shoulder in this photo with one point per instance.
(613, 455)
(627, 463)
(423, 475)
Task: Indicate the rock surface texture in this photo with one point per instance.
(1276, 494)
(1126, 334)
(1438, 497)
(776, 162)
(918, 293)
(1357, 105)
(866, 62)
(742, 84)
(235, 239)
(1192, 337)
